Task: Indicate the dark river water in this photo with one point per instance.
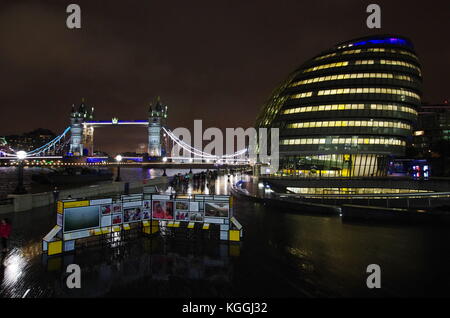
(282, 254)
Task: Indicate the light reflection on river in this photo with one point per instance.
(282, 254)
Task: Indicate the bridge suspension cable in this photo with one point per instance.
(200, 153)
(44, 148)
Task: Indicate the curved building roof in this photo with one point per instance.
(359, 96)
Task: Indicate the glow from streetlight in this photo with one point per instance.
(164, 159)
(118, 158)
(21, 155)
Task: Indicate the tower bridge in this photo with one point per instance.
(75, 145)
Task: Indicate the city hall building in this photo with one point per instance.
(348, 110)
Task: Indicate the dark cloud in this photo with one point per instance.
(213, 60)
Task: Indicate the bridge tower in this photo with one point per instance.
(77, 118)
(157, 115)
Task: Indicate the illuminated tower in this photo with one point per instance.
(157, 114)
(77, 118)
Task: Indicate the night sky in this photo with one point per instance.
(212, 59)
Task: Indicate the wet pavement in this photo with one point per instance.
(283, 254)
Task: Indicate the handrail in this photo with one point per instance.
(360, 196)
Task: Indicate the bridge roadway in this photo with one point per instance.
(150, 165)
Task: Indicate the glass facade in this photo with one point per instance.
(348, 109)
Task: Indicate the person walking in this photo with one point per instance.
(5, 231)
(55, 194)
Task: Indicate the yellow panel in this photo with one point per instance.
(97, 232)
(206, 226)
(191, 225)
(146, 229)
(231, 202)
(145, 223)
(154, 229)
(75, 204)
(170, 224)
(60, 207)
(126, 227)
(235, 235)
(106, 230)
(176, 224)
(55, 247)
(116, 228)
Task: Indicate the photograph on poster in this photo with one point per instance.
(181, 205)
(81, 218)
(146, 204)
(145, 215)
(181, 216)
(117, 208)
(117, 218)
(163, 210)
(216, 209)
(106, 209)
(196, 217)
(132, 214)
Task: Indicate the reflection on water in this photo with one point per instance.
(283, 254)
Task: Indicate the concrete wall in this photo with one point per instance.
(26, 202)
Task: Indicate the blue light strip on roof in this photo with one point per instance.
(396, 41)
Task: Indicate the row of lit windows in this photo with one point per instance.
(364, 62)
(348, 107)
(352, 76)
(354, 141)
(401, 63)
(324, 66)
(350, 123)
(302, 95)
(367, 90)
(360, 62)
(375, 49)
(366, 50)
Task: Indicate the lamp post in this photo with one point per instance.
(118, 159)
(20, 189)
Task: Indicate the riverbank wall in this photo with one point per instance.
(24, 202)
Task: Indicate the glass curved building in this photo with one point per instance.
(348, 110)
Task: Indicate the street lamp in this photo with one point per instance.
(118, 159)
(20, 189)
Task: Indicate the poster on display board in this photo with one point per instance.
(116, 219)
(196, 216)
(116, 208)
(194, 206)
(162, 210)
(106, 209)
(217, 209)
(133, 214)
(81, 218)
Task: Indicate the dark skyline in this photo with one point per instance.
(213, 60)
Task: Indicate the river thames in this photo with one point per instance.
(283, 254)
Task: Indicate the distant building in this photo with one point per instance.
(29, 141)
(433, 127)
(349, 110)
